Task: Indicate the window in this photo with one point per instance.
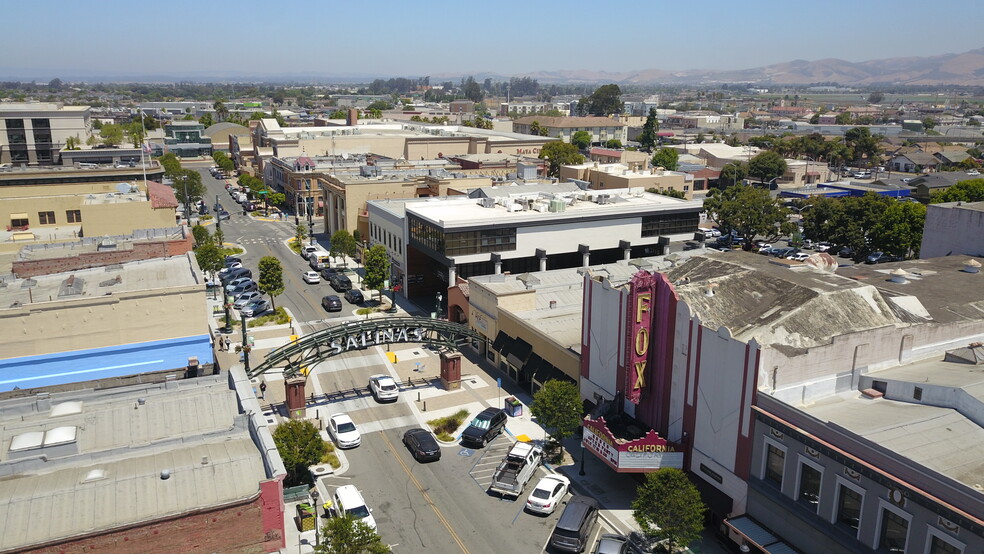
(73, 216)
(917, 393)
(849, 507)
(809, 487)
(894, 530)
(774, 462)
(669, 224)
(939, 545)
(46, 218)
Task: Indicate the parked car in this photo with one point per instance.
(327, 272)
(256, 307)
(516, 469)
(973, 172)
(246, 298)
(548, 493)
(422, 445)
(331, 303)
(486, 426)
(354, 296)
(799, 257)
(312, 277)
(339, 282)
(245, 287)
(639, 543)
(237, 281)
(574, 527)
(846, 252)
(229, 268)
(384, 388)
(878, 257)
(343, 431)
(610, 543)
(308, 249)
(229, 260)
(236, 274)
(822, 246)
(349, 501)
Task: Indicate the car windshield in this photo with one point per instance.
(480, 423)
(387, 386)
(541, 493)
(346, 427)
(360, 512)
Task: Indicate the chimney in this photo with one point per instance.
(553, 304)
(353, 117)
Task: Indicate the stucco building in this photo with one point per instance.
(953, 228)
(601, 129)
(33, 133)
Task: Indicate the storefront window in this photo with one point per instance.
(849, 510)
(775, 461)
(893, 532)
(809, 486)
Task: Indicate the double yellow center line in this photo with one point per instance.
(426, 496)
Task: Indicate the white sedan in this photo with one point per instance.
(383, 387)
(548, 493)
(312, 277)
(799, 257)
(342, 430)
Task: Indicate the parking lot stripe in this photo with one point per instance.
(426, 496)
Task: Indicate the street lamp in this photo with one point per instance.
(317, 534)
(245, 345)
(218, 220)
(581, 472)
(227, 306)
(437, 310)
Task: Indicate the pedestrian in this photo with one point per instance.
(263, 390)
(227, 344)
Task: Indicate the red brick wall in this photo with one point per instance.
(141, 251)
(238, 529)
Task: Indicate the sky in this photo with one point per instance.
(506, 37)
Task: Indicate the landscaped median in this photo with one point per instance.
(445, 427)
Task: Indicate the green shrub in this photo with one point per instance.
(446, 426)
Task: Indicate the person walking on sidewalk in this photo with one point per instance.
(227, 344)
(262, 390)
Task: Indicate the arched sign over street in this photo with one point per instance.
(320, 345)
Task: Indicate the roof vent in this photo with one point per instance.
(709, 291)
(972, 266)
(165, 474)
(898, 276)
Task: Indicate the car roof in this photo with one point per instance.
(489, 412)
(380, 377)
(340, 417)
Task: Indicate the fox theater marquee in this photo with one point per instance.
(626, 370)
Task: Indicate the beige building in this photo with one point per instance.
(59, 212)
(804, 173)
(624, 176)
(33, 133)
(602, 129)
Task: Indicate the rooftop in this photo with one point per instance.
(158, 273)
(929, 431)
(535, 207)
(119, 457)
(545, 121)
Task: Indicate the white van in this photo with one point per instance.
(349, 500)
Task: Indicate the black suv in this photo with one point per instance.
(340, 282)
(331, 303)
(485, 427)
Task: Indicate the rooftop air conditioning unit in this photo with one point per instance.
(488, 202)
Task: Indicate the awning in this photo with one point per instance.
(519, 352)
(530, 367)
(18, 216)
(499, 339)
(813, 173)
(547, 371)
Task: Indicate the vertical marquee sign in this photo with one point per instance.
(640, 320)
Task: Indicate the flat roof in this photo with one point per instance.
(939, 438)
(459, 211)
(140, 453)
(158, 273)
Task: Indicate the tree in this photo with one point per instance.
(649, 137)
(559, 153)
(557, 407)
(136, 132)
(472, 90)
(536, 129)
(605, 100)
(876, 97)
(206, 120)
(300, 233)
(201, 235)
(342, 244)
(170, 163)
(666, 158)
(377, 266)
(271, 278)
(188, 181)
(55, 84)
(581, 139)
(221, 111)
(767, 166)
(862, 143)
(380, 105)
(749, 211)
(614, 144)
(843, 118)
(899, 231)
(734, 172)
(111, 134)
(672, 193)
(72, 143)
(209, 256)
(971, 190)
(929, 123)
(300, 446)
(668, 508)
(348, 535)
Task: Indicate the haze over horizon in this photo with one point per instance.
(185, 38)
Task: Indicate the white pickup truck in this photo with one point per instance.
(516, 469)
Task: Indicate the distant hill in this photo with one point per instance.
(966, 69)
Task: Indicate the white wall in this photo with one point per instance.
(951, 230)
(604, 336)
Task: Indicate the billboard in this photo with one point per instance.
(639, 325)
(648, 453)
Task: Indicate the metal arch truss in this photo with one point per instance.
(320, 345)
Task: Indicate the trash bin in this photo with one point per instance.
(305, 517)
(514, 408)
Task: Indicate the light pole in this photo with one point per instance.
(317, 532)
(581, 472)
(218, 220)
(245, 345)
(310, 208)
(437, 310)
